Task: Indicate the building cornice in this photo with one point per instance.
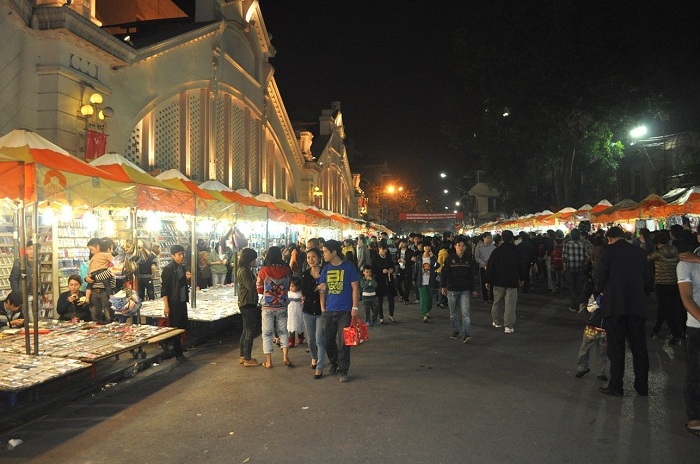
(168, 45)
(46, 18)
(281, 111)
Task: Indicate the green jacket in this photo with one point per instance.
(247, 293)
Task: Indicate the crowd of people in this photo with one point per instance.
(607, 274)
(306, 293)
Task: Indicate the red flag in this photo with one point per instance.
(95, 145)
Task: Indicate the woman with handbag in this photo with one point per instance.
(248, 304)
(311, 307)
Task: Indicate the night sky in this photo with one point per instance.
(389, 64)
(385, 61)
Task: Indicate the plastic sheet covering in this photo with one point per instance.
(33, 168)
(688, 203)
(243, 207)
(628, 210)
(151, 194)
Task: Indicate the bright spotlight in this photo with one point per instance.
(638, 132)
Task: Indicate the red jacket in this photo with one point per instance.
(273, 284)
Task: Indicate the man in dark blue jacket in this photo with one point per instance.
(621, 276)
(505, 272)
(458, 281)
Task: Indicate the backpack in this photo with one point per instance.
(558, 257)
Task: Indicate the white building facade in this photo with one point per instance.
(203, 101)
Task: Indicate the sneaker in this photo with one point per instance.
(417, 302)
(466, 339)
(498, 326)
(454, 335)
(425, 319)
(509, 330)
(344, 376)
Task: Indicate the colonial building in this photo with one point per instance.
(194, 91)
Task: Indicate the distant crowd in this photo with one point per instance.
(311, 291)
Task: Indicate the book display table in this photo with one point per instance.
(66, 347)
(213, 304)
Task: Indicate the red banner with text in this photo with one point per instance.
(431, 216)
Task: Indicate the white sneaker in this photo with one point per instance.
(509, 330)
(497, 325)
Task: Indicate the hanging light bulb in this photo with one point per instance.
(222, 227)
(91, 221)
(48, 217)
(110, 228)
(204, 226)
(153, 222)
(66, 213)
(181, 224)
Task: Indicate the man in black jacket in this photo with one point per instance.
(175, 295)
(404, 258)
(621, 276)
(458, 281)
(505, 272)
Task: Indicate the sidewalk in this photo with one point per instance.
(415, 395)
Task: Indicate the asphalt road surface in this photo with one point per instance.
(414, 396)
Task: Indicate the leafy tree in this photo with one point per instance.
(546, 90)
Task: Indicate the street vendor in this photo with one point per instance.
(73, 303)
(11, 316)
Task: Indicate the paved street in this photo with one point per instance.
(415, 395)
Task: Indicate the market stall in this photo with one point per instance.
(35, 174)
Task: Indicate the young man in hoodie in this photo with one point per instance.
(505, 273)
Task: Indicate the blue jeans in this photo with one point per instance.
(316, 338)
(274, 319)
(462, 299)
(338, 352)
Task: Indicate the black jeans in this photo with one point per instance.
(380, 305)
(246, 343)
(668, 309)
(630, 328)
(178, 318)
(486, 293)
(338, 352)
(146, 288)
(403, 283)
(692, 373)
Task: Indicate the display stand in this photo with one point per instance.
(7, 248)
(45, 253)
(72, 250)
